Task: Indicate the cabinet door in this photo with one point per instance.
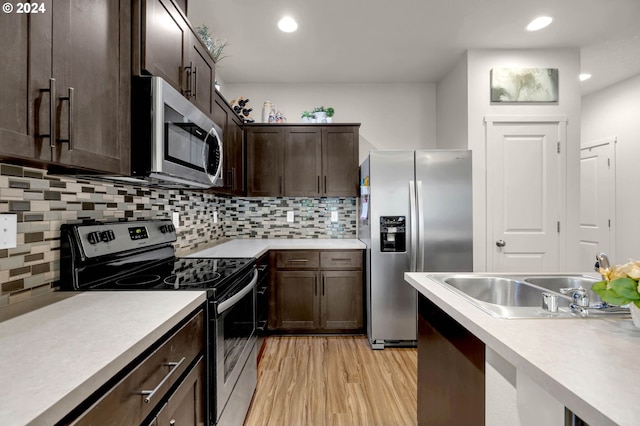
(91, 65)
(264, 161)
(233, 146)
(236, 155)
(297, 300)
(341, 300)
(340, 161)
(302, 161)
(186, 405)
(165, 41)
(200, 84)
(26, 58)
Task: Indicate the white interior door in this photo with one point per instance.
(524, 186)
(597, 201)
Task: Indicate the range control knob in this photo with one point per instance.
(93, 237)
(167, 228)
(107, 236)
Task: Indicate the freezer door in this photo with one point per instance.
(392, 314)
(443, 179)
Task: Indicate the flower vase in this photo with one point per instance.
(635, 314)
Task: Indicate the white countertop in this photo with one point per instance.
(54, 357)
(256, 247)
(592, 365)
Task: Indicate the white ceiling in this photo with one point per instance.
(411, 41)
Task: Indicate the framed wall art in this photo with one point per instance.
(513, 85)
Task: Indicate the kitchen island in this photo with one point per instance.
(589, 365)
(56, 356)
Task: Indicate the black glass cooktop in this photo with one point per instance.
(181, 274)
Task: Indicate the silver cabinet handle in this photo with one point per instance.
(195, 83)
(501, 243)
(150, 393)
(70, 118)
(52, 113)
(298, 260)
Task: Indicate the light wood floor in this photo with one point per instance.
(333, 381)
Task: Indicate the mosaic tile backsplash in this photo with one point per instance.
(43, 202)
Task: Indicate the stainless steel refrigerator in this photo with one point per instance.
(416, 215)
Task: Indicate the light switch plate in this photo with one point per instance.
(290, 217)
(215, 217)
(334, 216)
(8, 231)
(175, 217)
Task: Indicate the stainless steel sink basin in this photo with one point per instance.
(496, 290)
(556, 282)
(520, 296)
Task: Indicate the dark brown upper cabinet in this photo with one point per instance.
(68, 85)
(302, 161)
(233, 147)
(264, 161)
(312, 160)
(166, 46)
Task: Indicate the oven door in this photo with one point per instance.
(234, 340)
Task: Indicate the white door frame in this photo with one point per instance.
(490, 122)
(611, 142)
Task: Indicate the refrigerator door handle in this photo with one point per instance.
(421, 236)
(413, 223)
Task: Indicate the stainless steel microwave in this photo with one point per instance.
(173, 143)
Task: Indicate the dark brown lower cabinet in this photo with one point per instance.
(451, 362)
(186, 405)
(297, 300)
(317, 291)
(173, 370)
(341, 301)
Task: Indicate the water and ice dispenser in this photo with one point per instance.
(393, 231)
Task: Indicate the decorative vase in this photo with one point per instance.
(329, 119)
(635, 314)
(321, 116)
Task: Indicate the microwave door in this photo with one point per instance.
(212, 155)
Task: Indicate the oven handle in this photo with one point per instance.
(233, 299)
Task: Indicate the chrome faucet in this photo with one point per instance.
(580, 296)
(602, 261)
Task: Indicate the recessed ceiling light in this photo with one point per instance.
(539, 23)
(584, 76)
(287, 24)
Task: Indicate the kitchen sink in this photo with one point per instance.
(520, 296)
(497, 290)
(555, 283)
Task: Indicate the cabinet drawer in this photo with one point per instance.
(351, 259)
(124, 403)
(298, 259)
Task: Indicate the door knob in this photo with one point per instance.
(501, 243)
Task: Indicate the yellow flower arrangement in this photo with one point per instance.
(620, 284)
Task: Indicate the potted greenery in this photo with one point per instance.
(306, 116)
(330, 112)
(320, 114)
(620, 287)
(214, 45)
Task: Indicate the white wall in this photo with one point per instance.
(615, 112)
(451, 108)
(393, 116)
(479, 64)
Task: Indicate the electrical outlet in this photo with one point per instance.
(290, 217)
(215, 217)
(175, 217)
(334, 216)
(8, 231)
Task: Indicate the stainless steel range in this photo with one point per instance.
(139, 255)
